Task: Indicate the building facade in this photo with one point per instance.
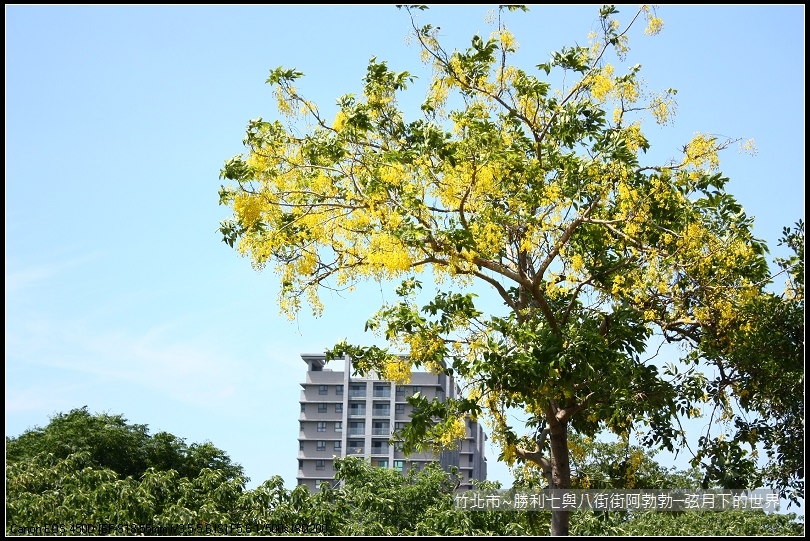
(344, 415)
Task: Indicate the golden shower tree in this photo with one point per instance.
(542, 195)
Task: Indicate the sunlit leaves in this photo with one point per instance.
(544, 195)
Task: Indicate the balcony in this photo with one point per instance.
(382, 392)
(380, 449)
(381, 431)
(355, 450)
(379, 411)
(357, 431)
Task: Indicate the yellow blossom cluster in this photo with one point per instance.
(340, 121)
(602, 83)
(453, 433)
(633, 137)
(701, 152)
(663, 108)
(425, 349)
(654, 24)
(248, 208)
(397, 370)
(507, 39)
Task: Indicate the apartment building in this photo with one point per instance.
(344, 415)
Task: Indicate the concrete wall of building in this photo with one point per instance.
(368, 410)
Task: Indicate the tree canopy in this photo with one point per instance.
(76, 496)
(759, 387)
(542, 194)
(85, 468)
(111, 442)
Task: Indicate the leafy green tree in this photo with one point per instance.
(363, 501)
(91, 469)
(369, 501)
(109, 440)
(726, 523)
(620, 465)
(73, 491)
(759, 390)
(545, 197)
(113, 443)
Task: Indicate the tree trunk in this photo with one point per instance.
(560, 470)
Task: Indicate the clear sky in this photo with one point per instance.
(120, 294)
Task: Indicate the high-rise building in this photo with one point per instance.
(344, 415)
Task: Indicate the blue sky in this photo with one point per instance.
(120, 294)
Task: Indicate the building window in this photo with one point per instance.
(339, 426)
(322, 407)
(379, 447)
(417, 389)
(337, 446)
(357, 408)
(320, 464)
(323, 389)
(338, 408)
(400, 390)
(380, 428)
(355, 447)
(357, 390)
(303, 408)
(399, 465)
(470, 461)
(321, 426)
(321, 445)
(400, 408)
(382, 463)
(382, 390)
(300, 445)
(399, 426)
(300, 464)
(357, 428)
(301, 425)
(338, 389)
(381, 410)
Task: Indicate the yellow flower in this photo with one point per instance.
(397, 370)
(508, 40)
(702, 152)
(654, 26)
(340, 121)
(602, 83)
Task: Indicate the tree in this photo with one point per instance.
(92, 469)
(620, 465)
(113, 443)
(364, 500)
(109, 441)
(726, 523)
(541, 196)
(759, 389)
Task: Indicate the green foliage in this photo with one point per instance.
(83, 468)
(112, 443)
(364, 501)
(109, 441)
(619, 465)
(721, 524)
(760, 362)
